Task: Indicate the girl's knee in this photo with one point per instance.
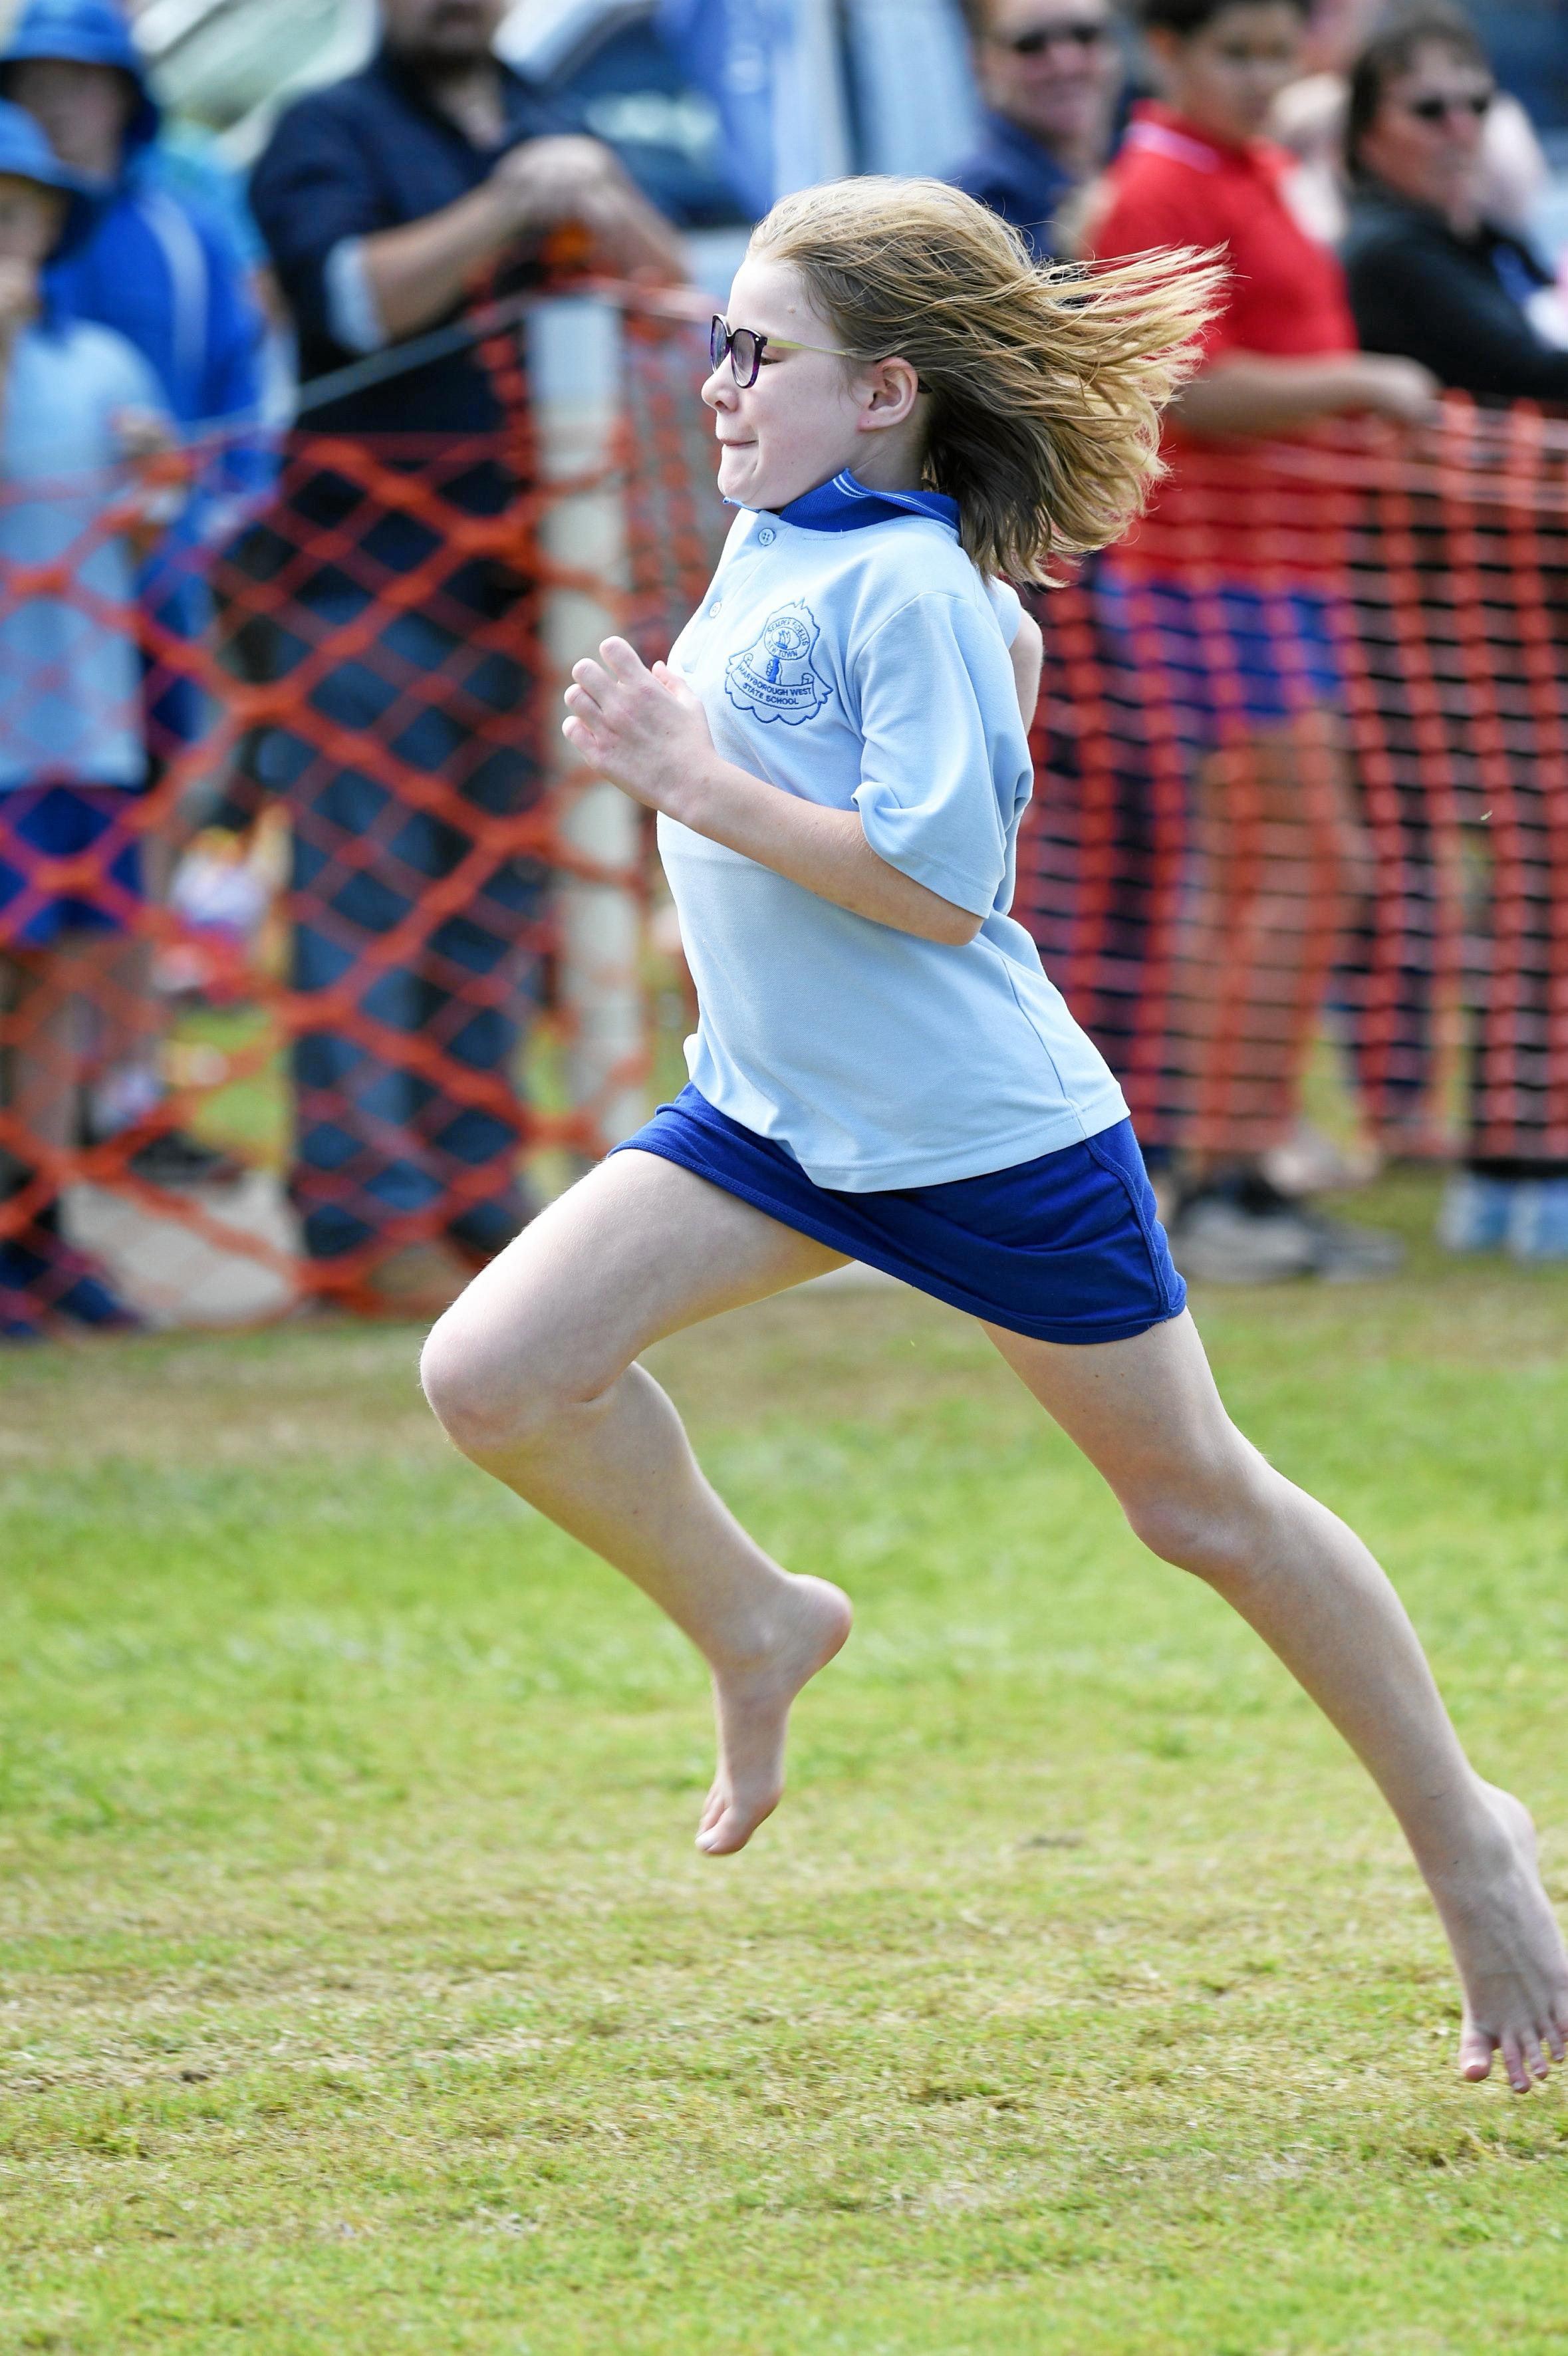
(1209, 1521)
(1193, 1537)
(490, 1393)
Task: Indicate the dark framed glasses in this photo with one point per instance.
(1437, 109)
(1081, 32)
(745, 347)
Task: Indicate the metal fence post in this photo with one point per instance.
(576, 363)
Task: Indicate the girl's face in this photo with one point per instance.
(810, 414)
(1225, 77)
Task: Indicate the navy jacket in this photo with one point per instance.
(1014, 176)
(1455, 304)
(368, 153)
(168, 278)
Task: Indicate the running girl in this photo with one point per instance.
(837, 753)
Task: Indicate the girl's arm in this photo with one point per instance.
(648, 733)
(1027, 654)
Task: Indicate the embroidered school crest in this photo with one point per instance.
(774, 677)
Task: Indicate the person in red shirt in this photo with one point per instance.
(1225, 597)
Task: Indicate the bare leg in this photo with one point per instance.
(43, 1037)
(531, 1373)
(1279, 847)
(1146, 1413)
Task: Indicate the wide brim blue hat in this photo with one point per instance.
(25, 155)
(88, 33)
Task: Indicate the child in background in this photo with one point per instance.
(905, 412)
(76, 402)
(1228, 602)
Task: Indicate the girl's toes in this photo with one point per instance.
(1514, 2062)
(1554, 2043)
(736, 1823)
(1475, 2052)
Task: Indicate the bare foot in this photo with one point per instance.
(751, 1705)
(1512, 1968)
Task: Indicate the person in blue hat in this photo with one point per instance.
(78, 405)
(162, 267)
(165, 271)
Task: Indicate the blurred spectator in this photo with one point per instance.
(1051, 73)
(1430, 275)
(165, 274)
(387, 202)
(75, 399)
(163, 270)
(1433, 276)
(1195, 583)
(1196, 171)
(1309, 118)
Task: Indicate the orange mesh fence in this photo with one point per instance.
(315, 952)
(1302, 765)
(339, 1025)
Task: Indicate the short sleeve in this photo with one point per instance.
(942, 749)
(314, 187)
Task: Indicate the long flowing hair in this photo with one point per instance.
(1045, 384)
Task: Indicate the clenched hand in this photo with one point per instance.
(644, 729)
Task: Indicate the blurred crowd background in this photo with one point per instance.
(274, 655)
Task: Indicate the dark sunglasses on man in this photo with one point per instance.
(1437, 109)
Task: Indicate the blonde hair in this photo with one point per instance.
(1045, 384)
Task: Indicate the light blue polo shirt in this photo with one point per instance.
(848, 651)
(70, 674)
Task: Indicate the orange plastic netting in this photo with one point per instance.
(1303, 772)
(1302, 767)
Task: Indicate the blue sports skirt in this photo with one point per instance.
(1067, 1248)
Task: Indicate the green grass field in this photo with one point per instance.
(363, 1990)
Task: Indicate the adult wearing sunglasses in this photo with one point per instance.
(1431, 277)
(1051, 74)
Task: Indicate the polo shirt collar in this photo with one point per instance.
(844, 504)
(1157, 130)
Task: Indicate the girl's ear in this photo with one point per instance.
(894, 389)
